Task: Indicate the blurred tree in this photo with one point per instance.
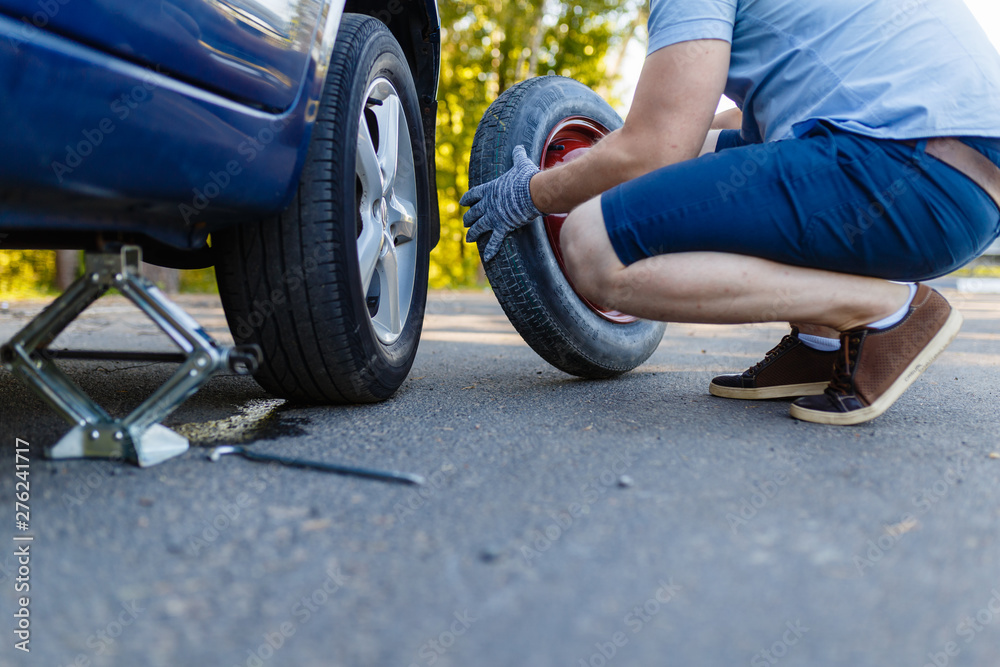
(27, 273)
(488, 47)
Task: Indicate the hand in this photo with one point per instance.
(502, 205)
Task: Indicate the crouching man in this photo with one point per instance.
(865, 163)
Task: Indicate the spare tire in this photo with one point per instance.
(555, 119)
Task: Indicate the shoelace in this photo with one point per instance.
(843, 367)
(785, 343)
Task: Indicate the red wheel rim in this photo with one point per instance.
(570, 139)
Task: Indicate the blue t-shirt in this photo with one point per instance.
(891, 69)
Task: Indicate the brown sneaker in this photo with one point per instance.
(874, 367)
(791, 369)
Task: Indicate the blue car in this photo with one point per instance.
(289, 143)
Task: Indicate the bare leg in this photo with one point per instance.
(718, 288)
(733, 120)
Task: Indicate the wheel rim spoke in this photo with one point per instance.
(402, 220)
(388, 268)
(389, 116)
(369, 247)
(369, 173)
(368, 168)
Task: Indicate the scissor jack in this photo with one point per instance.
(138, 437)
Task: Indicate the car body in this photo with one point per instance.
(159, 123)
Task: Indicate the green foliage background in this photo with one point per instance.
(486, 48)
(26, 274)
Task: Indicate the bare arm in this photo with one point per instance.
(673, 109)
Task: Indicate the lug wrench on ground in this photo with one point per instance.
(382, 475)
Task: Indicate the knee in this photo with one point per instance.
(586, 249)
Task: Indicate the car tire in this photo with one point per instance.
(333, 289)
(578, 337)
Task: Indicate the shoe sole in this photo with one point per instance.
(942, 339)
(778, 391)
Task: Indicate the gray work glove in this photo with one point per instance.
(502, 205)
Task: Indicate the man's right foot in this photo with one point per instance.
(791, 369)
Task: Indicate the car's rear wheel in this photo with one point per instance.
(333, 289)
(555, 119)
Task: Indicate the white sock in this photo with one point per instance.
(820, 343)
(898, 316)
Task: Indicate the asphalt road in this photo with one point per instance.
(637, 521)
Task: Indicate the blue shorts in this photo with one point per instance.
(830, 200)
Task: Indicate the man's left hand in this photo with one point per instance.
(502, 205)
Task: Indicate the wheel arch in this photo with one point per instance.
(417, 27)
